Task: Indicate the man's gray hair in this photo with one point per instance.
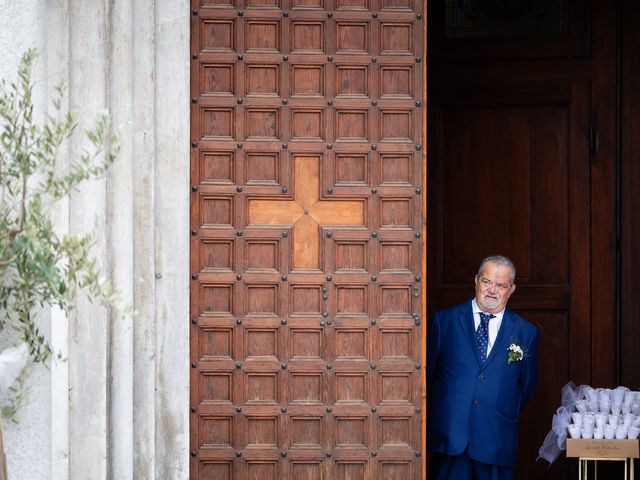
(502, 260)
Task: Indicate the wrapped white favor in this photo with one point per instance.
(591, 413)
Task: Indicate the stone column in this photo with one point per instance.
(119, 406)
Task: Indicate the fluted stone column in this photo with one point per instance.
(118, 408)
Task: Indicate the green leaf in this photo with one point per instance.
(39, 267)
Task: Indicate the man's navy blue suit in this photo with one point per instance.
(474, 405)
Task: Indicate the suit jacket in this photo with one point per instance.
(473, 404)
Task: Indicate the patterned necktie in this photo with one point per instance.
(482, 334)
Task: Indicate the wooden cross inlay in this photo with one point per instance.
(306, 213)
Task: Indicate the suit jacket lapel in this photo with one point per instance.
(503, 338)
(468, 327)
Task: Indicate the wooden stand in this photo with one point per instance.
(583, 467)
(592, 450)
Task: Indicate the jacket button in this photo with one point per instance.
(476, 402)
(481, 376)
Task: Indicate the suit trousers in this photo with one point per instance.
(463, 467)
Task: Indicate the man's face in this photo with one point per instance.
(494, 287)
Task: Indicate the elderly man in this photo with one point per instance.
(482, 366)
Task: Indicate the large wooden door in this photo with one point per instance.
(510, 175)
(521, 138)
(307, 217)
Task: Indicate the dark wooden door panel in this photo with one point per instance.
(510, 174)
(306, 257)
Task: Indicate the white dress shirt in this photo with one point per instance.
(494, 323)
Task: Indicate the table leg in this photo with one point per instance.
(626, 469)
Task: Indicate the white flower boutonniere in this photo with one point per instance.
(514, 353)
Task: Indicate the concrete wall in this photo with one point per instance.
(118, 408)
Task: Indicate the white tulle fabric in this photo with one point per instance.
(556, 440)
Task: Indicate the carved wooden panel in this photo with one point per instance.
(306, 221)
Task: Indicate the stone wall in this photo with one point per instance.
(118, 408)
